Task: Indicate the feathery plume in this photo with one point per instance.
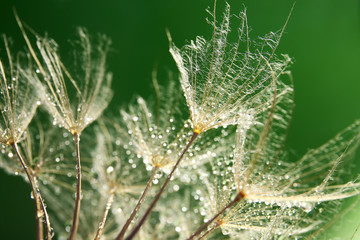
(117, 175)
(18, 98)
(90, 86)
(157, 131)
(223, 82)
(54, 83)
(279, 197)
(18, 106)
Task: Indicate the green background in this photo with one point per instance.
(322, 36)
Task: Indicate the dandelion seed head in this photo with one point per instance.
(17, 97)
(222, 85)
(241, 91)
(74, 100)
(156, 131)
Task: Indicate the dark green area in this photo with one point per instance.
(323, 38)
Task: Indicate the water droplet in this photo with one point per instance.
(306, 206)
(110, 169)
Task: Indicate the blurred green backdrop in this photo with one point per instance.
(322, 36)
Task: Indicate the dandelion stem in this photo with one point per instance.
(137, 207)
(216, 225)
(39, 223)
(356, 230)
(75, 223)
(39, 203)
(107, 209)
(168, 178)
(237, 198)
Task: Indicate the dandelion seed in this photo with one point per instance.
(235, 181)
(151, 134)
(117, 175)
(272, 204)
(18, 98)
(89, 99)
(159, 139)
(73, 112)
(222, 85)
(18, 106)
(315, 178)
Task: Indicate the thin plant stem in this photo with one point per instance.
(49, 229)
(75, 223)
(39, 203)
(157, 197)
(356, 230)
(137, 207)
(107, 209)
(39, 222)
(216, 225)
(237, 198)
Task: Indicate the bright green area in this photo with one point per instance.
(322, 36)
